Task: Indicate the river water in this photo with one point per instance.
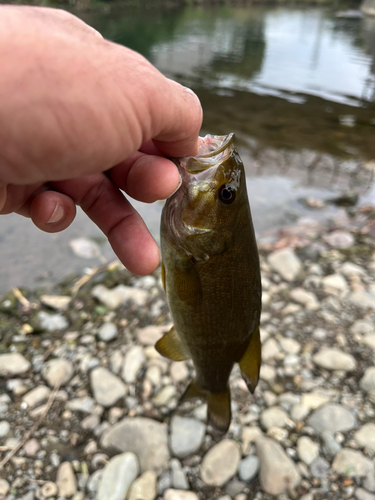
(296, 85)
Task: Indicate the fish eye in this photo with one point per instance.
(227, 194)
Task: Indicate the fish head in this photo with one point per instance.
(202, 213)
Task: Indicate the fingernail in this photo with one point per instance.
(177, 188)
(3, 196)
(57, 214)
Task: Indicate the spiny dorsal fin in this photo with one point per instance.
(251, 360)
(170, 346)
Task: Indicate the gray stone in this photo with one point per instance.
(178, 477)
(13, 364)
(187, 436)
(116, 361)
(331, 358)
(4, 428)
(107, 388)
(118, 475)
(59, 302)
(37, 396)
(248, 468)
(132, 434)
(273, 417)
(107, 332)
(220, 463)
(365, 436)
(286, 263)
(319, 467)
(367, 382)
(332, 418)
(57, 371)
(120, 295)
(331, 446)
(52, 322)
(362, 327)
(84, 404)
(133, 361)
(144, 488)
(307, 449)
(277, 472)
(290, 346)
(270, 349)
(151, 334)
(179, 495)
(352, 463)
(179, 371)
(362, 494)
(308, 299)
(66, 480)
(90, 422)
(94, 481)
(362, 299)
(299, 412)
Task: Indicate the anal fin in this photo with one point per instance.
(251, 360)
(170, 346)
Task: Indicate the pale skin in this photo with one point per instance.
(73, 106)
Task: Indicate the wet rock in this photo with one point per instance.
(365, 436)
(367, 382)
(118, 475)
(13, 364)
(151, 334)
(187, 436)
(352, 463)
(120, 295)
(131, 434)
(332, 418)
(220, 463)
(273, 417)
(66, 480)
(107, 388)
(4, 428)
(286, 263)
(144, 488)
(362, 299)
(305, 298)
(107, 332)
(37, 396)
(58, 302)
(57, 371)
(307, 449)
(339, 239)
(133, 361)
(49, 490)
(179, 495)
(52, 322)
(4, 488)
(248, 468)
(319, 467)
(277, 471)
(335, 284)
(332, 358)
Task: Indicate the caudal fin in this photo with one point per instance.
(218, 405)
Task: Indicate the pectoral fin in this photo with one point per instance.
(251, 360)
(170, 346)
(218, 405)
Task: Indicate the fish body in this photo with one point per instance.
(211, 275)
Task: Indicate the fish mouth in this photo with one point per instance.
(213, 149)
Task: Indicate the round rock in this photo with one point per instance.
(367, 382)
(4, 428)
(286, 263)
(118, 475)
(13, 364)
(273, 417)
(107, 388)
(365, 436)
(179, 495)
(332, 418)
(307, 449)
(248, 468)
(133, 361)
(352, 463)
(144, 488)
(187, 435)
(57, 371)
(37, 396)
(4, 488)
(66, 480)
(146, 438)
(220, 463)
(334, 359)
(107, 332)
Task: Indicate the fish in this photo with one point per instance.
(211, 276)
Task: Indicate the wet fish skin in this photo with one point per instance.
(211, 275)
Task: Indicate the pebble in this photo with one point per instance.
(352, 463)
(307, 449)
(4, 488)
(4, 428)
(248, 468)
(116, 361)
(286, 263)
(49, 490)
(37, 396)
(313, 400)
(31, 447)
(365, 436)
(350, 269)
(362, 494)
(179, 495)
(367, 382)
(178, 477)
(362, 327)
(66, 480)
(299, 412)
(319, 467)
(84, 404)
(332, 358)
(164, 396)
(57, 371)
(220, 463)
(332, 418)
(363, 299)
(13, 364)
(59, 302)
(107, 332)
(133, 361)
(94, 481)
(273, 417)
(335, 284)
(339, 239)
(270, 349)
(144, 488)
(131, 434)
(118, 475)
(52, 322)
(308, 299)
(179, 371)
(290, 346)
(107, 388)
(249, 436)
(186, 436)
(277, 472)
(151, 334)
(120, 295)
(331, 446)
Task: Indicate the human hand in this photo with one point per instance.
(82, 118)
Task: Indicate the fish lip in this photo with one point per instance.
(224, 140)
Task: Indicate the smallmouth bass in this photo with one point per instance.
(211, 275)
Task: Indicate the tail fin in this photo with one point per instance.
(218, 405)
